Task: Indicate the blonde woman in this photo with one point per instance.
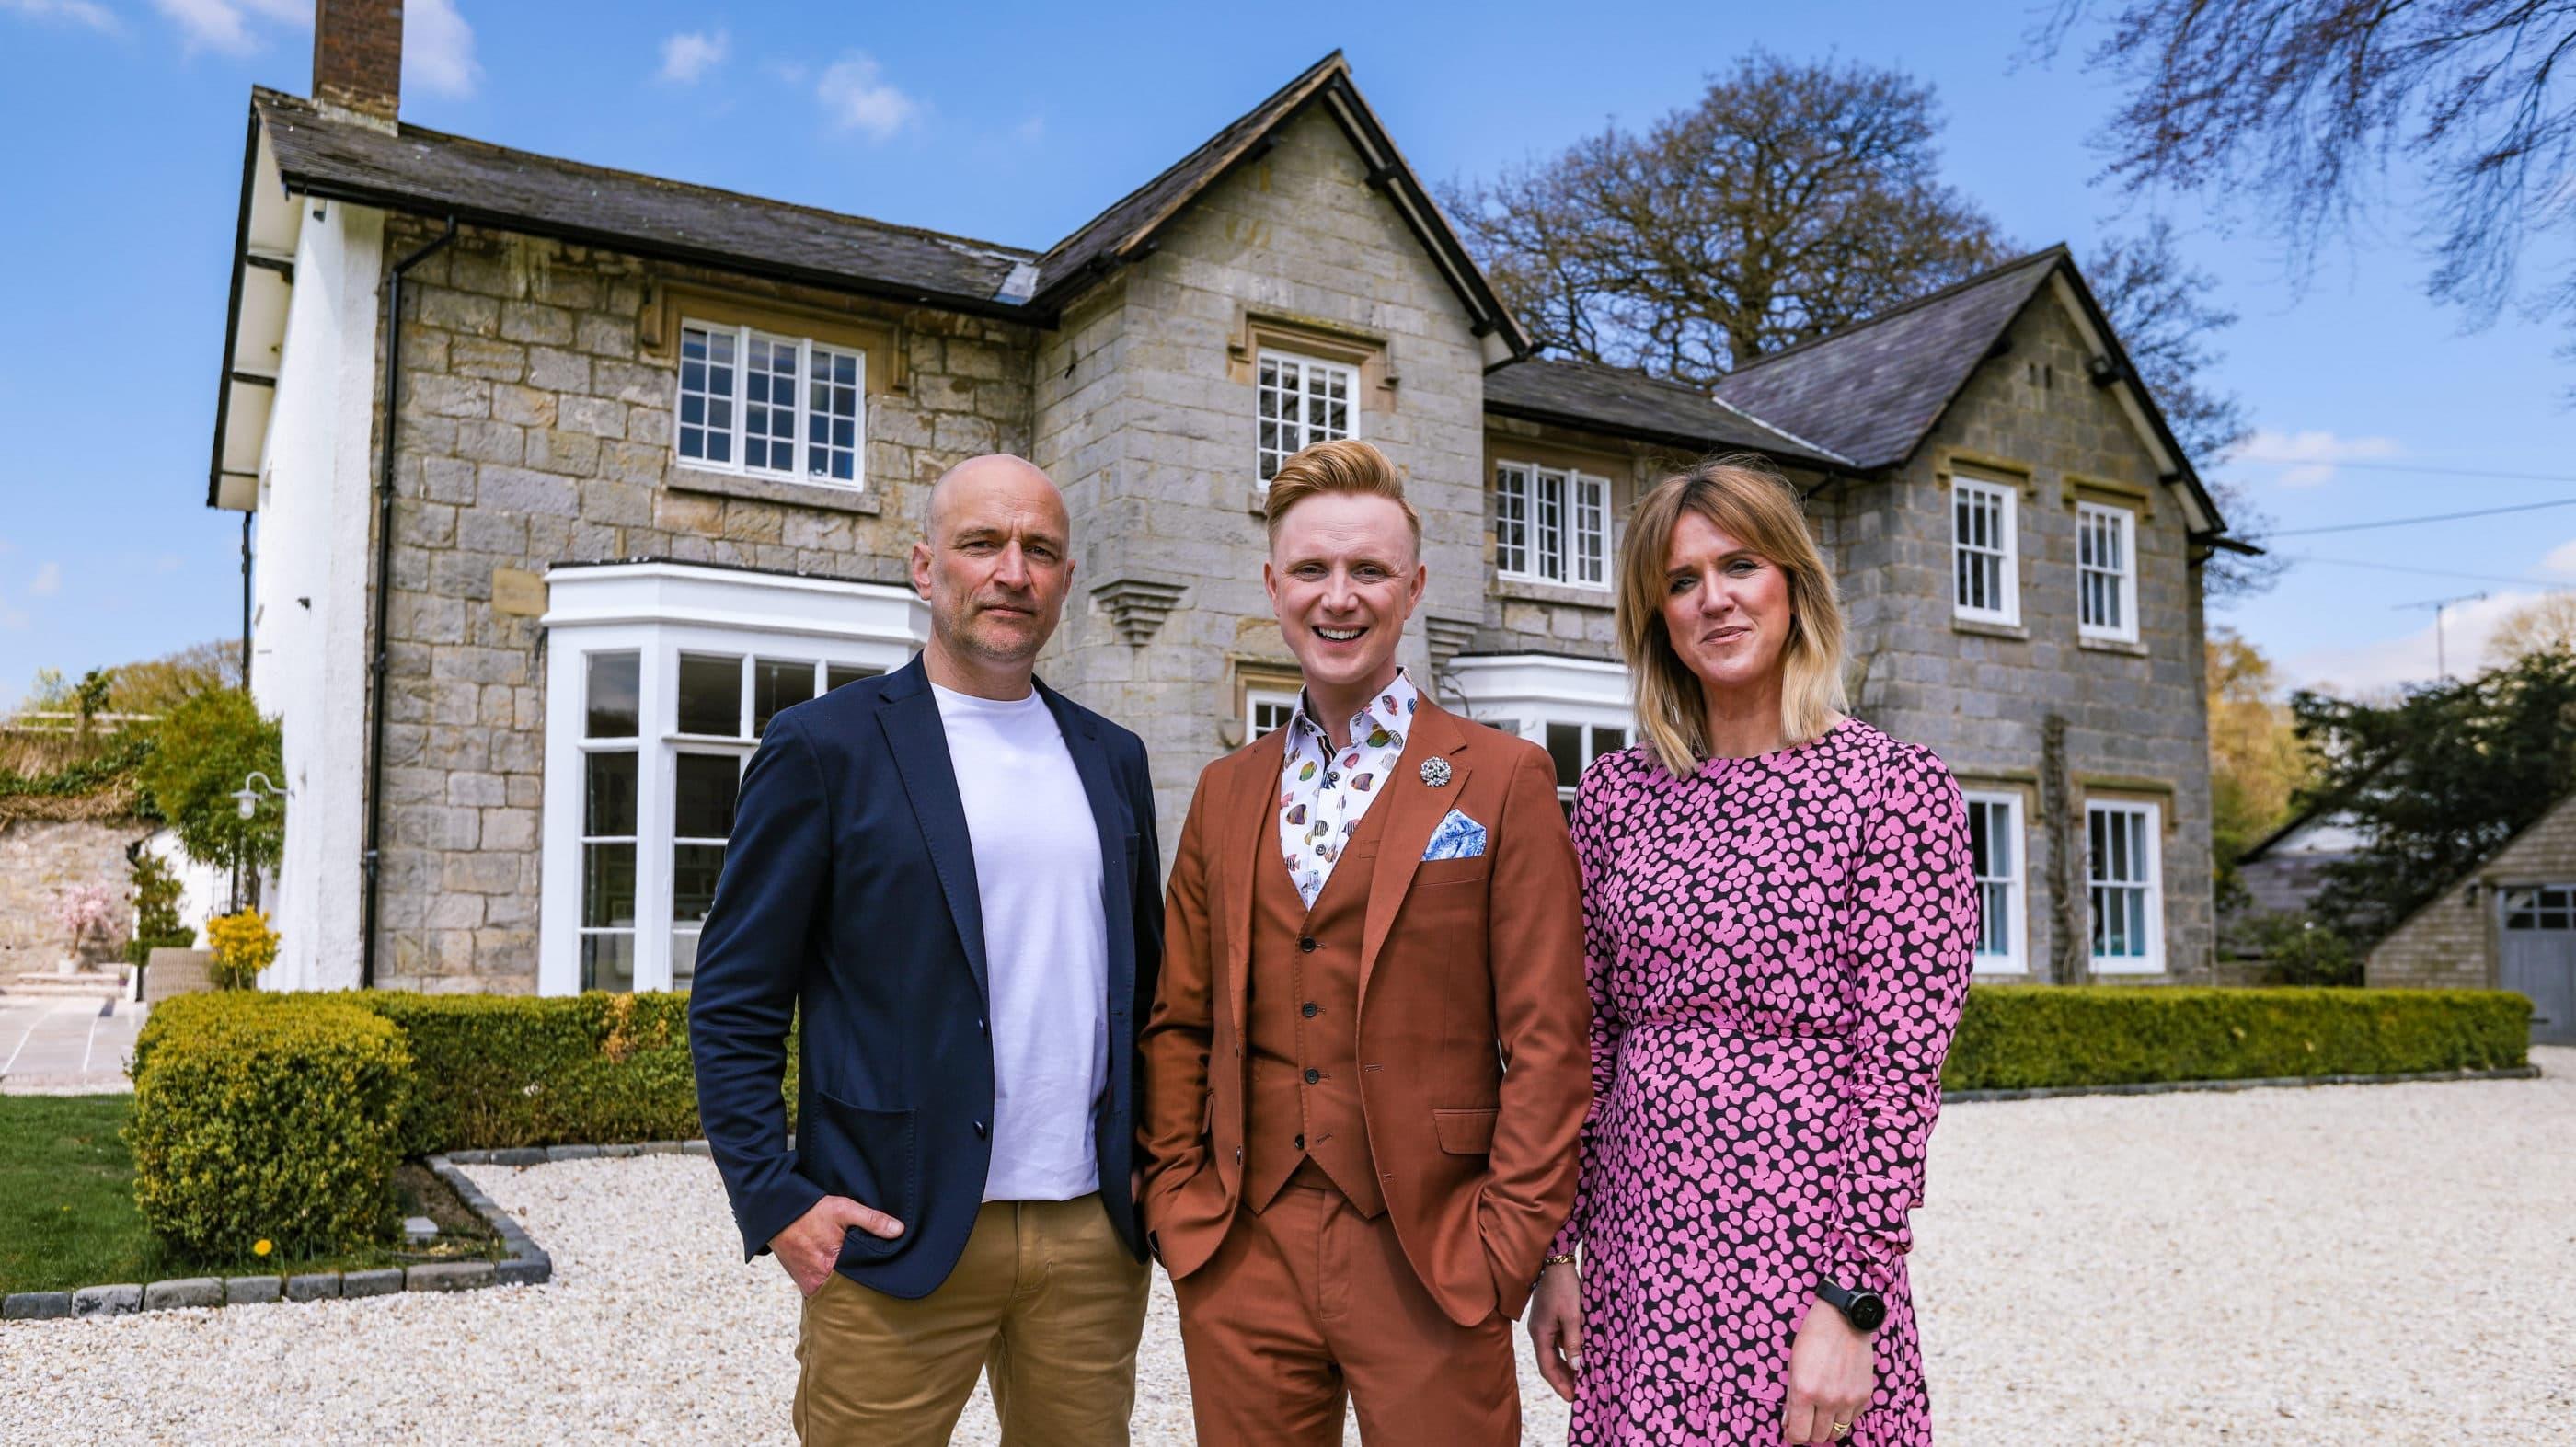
(1778, 917)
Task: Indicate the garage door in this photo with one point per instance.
(2540, 956)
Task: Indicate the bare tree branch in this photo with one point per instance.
(1791, 201)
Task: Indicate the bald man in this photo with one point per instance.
(951, 871)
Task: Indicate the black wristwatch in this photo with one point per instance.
(1863, 1309)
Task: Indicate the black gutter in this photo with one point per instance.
(232, 316)
(245, 644)
(376, 665)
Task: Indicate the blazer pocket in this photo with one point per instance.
(1432, 873)
(870, 1156)
(1465, 1132)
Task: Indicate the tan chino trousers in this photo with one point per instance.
(1045, 1298)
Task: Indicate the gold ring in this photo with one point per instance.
(1842, 1430)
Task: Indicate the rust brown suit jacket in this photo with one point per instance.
(1473, 1020)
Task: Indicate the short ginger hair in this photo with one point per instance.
(1345, 465)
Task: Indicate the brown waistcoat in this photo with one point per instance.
(1301, 1025)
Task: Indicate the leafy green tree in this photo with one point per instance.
(156, 911)
(2436, 781)
(202, 752)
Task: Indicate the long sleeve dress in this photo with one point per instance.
(1778, 949)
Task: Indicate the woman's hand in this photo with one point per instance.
(1556, 1326)
(1832, 1371)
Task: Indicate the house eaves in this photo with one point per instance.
(1127, 231)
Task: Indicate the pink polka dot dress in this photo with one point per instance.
(1778, 950)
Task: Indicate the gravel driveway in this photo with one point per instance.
(2390, 1264)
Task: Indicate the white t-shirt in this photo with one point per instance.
(1046, 941)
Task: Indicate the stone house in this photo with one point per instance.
(2508, 924)
(654, 454)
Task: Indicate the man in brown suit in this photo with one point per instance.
(1366, 1064)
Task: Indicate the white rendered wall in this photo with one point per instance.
(309, 588)
(204, 889)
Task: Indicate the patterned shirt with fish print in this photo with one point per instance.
(1324, 793)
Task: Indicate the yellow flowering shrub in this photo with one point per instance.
(243, 946)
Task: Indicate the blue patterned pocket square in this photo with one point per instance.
(1458, 837)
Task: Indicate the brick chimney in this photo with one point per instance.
(357, 57)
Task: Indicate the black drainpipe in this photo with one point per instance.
(384, 601)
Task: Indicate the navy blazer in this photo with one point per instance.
(849, 895)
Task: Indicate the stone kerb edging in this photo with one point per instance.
(527, 1264)
(2267, 1082)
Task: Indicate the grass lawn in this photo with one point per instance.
(67, 1217)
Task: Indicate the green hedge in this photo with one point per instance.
(256, 1123)
(521, 1070)
(2019, 1037)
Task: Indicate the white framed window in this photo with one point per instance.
(1995, 856)
(1265, 709)
(1303, 401)
(769, 405)
(1551, 525)
(2124, 877)
(1985, 552)
(2106, 573)
(1572, 747)
(661, 678)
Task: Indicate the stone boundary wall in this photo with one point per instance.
(39, 859)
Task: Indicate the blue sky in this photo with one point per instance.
(1016, 123)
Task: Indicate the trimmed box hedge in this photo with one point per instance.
(254, 1123)
(494, 1071)
(2022, 1037)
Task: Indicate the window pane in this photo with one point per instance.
(1511, 519)
(702, 801)
(608, 805)
(774, 686)
(694, 868)
(1565, 746)
(1591, 529)
(610, 695)
(710, 694)
(1606, 741)
(608, 885)
(684, 958)
(608, 962)
(769, 404)
(831, 412)
(836, 674)
(1548, 534)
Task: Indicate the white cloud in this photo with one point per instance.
(438, 50)
(789, 72)
(2310, 456)
(48, 581)
(1030, 131)
(78, 12)
(857, 100)
(211, 25)
(2410, 657)
(2561, 560)
(691, 54)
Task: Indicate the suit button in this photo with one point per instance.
(982, 1130)
(1307, 943)
(981, 1028)
(1312, 1010)
(1301, 1142)
(1313, 1075)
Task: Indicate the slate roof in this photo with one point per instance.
(1632, 404)
(481, 184)
(1133, 216)
(1870, 391)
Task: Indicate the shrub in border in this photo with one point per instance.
(255, 1122)
(2021, 1037)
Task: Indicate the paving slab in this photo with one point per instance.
(66, 1045)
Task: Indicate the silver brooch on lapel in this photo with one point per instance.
(1435, 771)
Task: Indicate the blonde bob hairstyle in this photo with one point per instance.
(1748, 501)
